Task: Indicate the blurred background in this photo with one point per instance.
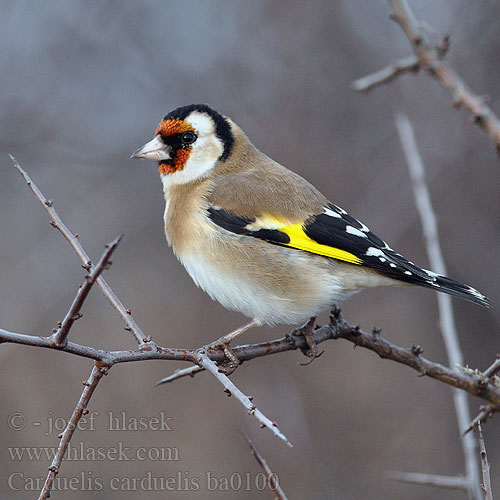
(84, 85)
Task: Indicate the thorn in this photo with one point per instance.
(76, 235)
(228, 392)
(59, 322)
(60, 435)
(416, 350)
(53, 224)
(85, 412)
(129, 311)
(49, 203)
(127, 328)
(376, 331)
(478, 119)
(443, 47)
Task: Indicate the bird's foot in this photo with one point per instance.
(306, 331)
(232, 362)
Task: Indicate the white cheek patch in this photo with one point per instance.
(204, 152)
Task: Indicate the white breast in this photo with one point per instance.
(258, 302)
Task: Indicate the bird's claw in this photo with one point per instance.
(312, 348)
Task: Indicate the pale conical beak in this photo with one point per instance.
(153, 150)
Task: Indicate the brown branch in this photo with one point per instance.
(430, 60)
(338, 328)
(60, 336)
(493, 369)
(485, 466)
(408, 64)
(191, 371)
(67, 434)
(231, 390)
(272, 478)
(485, 413)
(56, 221)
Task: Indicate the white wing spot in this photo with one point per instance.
(409, 273)
(331, 213)
(355, 232)
(374, 252)
(382, 259)
(392, 265)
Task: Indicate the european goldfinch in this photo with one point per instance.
(259, 238)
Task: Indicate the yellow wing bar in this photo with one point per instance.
(300, 240)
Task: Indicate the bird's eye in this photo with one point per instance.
(188, 137)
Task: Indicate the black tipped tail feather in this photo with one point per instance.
(446, 285)
(452, 287)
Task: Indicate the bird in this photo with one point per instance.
(259, 238)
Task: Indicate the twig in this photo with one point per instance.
(184, 372)
(272, 478)
(67, 434)
(430, 60)
(493, 369)
(485, 412)
(60, 336)
(485, 466)
(408, 64)
(57, 222)
(205, 362)
(436, 260)
(450, 482)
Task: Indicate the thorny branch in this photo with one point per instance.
(231, 390)
(61, 334)
(272, 478)
(80, 409)
(338, 328)
(485, 466)
(430, 58)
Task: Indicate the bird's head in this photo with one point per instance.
(188, 143)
